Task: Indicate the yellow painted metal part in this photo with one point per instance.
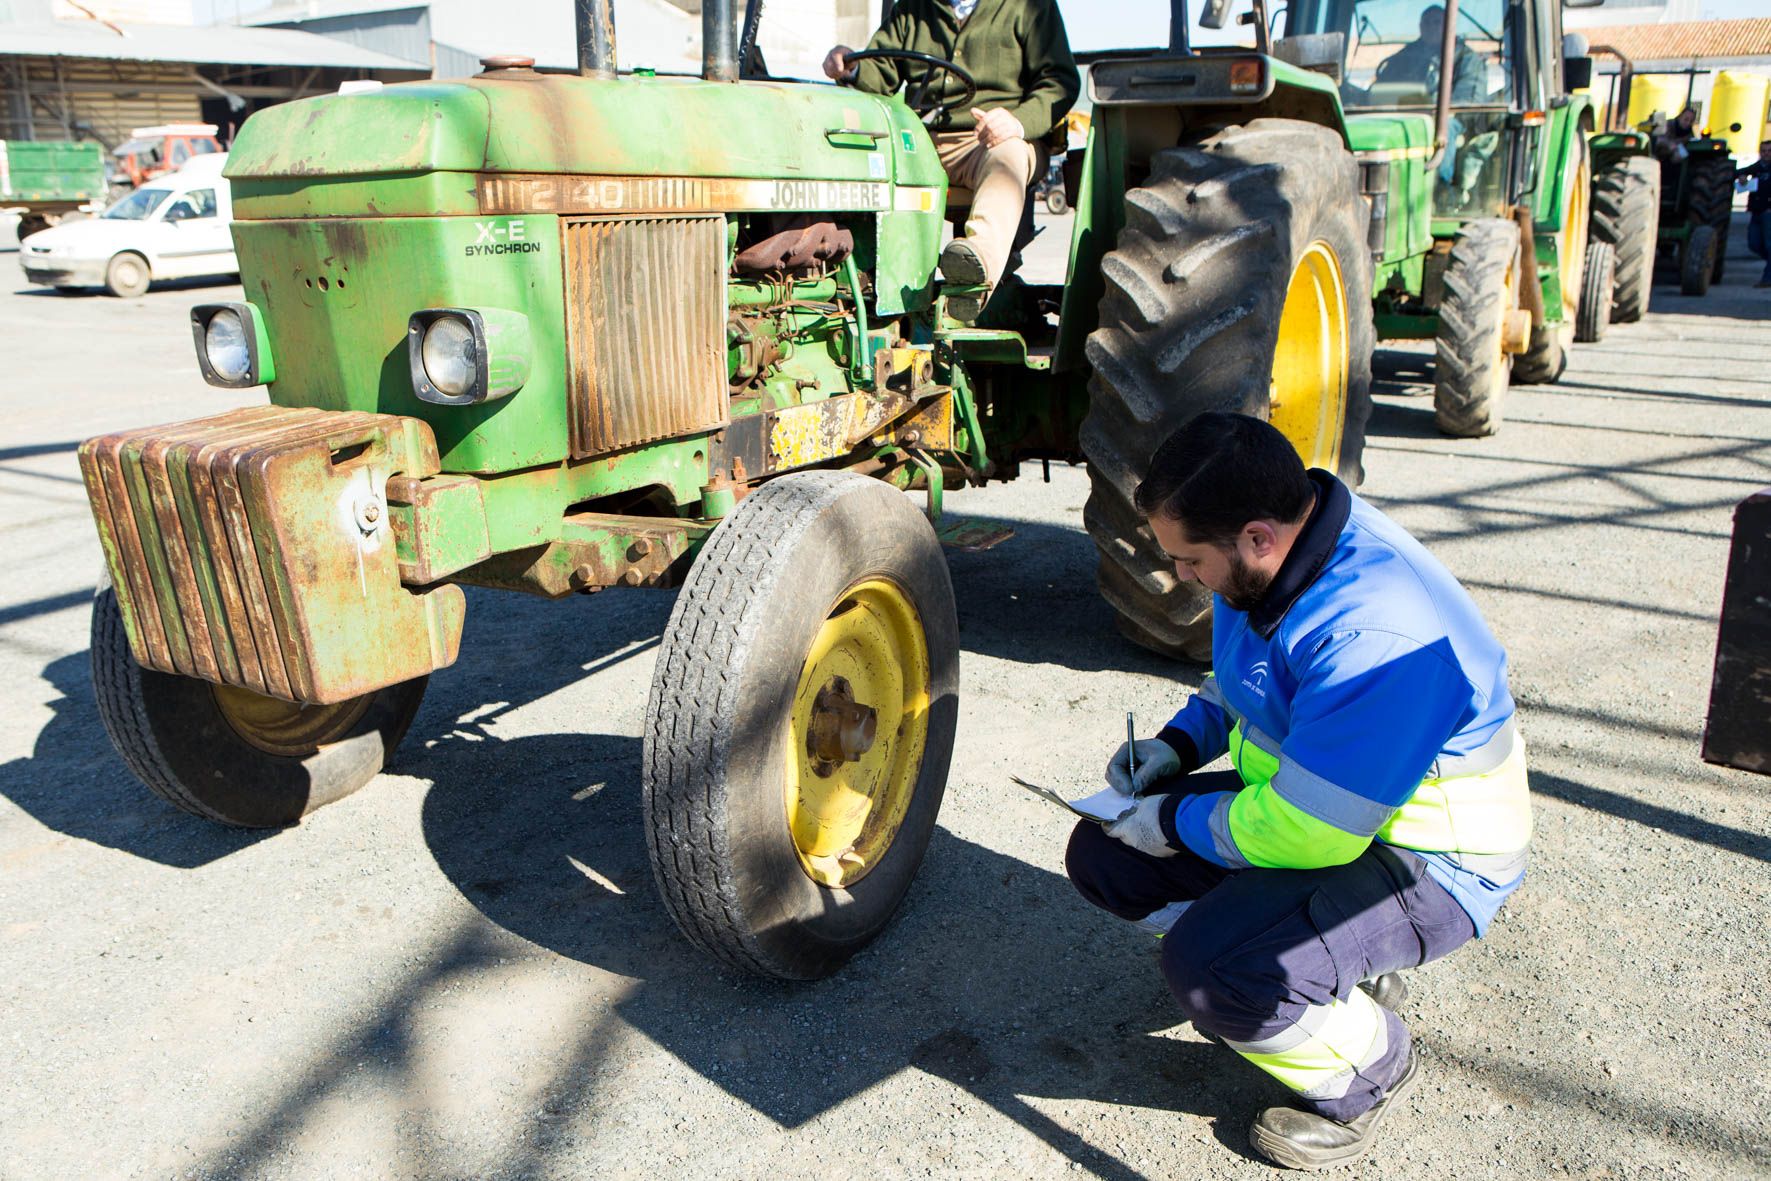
(1573, 245)
(843, 818)
(285, 727)
(1739, 96)
(1311, 359)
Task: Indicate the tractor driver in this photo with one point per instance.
(1019, 55)
(1418, 62)
(1378, 813)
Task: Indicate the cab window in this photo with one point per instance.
(198, 203)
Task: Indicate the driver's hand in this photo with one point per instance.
(997, 126)
(836, 65)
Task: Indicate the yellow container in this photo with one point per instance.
(1656, 94)
(1739, 97)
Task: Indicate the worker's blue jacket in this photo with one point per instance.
(1363, 698)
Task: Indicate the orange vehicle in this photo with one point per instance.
(154, 151)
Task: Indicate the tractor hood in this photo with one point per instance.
(522, 122)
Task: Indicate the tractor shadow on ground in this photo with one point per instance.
(994, 976)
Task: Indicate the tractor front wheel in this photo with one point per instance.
(1697, 259)
(800, 724)
(1595, 293)
(231, 755)
(1241, 281)
(1478, 310)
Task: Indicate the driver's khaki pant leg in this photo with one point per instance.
(998, 178)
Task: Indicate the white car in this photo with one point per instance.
(173, 227)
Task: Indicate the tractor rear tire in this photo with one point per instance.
(32, 223)
(771, 858)
(1697, 260)
(1626, 214)
(1595, 293)
(1709, 195)
(1217, 240)
(1471, 373)
(252, 762)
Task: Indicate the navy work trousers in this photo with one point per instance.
(1253, 949)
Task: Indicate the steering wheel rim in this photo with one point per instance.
(921, 89)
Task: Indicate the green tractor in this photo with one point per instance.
(1472, 146)
(559, 334)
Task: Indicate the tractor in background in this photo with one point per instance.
(560, 335)
(1473, 154)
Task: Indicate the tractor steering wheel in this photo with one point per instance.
(917, 93)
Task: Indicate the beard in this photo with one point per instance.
(1245, 586)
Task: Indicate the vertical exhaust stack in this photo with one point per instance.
(719, 51)
(596, 38)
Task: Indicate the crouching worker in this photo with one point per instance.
(1377, 815)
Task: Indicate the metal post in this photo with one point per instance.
(719, 53)
(1177, 26)
(1447, 73)
(596, 38)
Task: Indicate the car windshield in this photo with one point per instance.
(138, 205)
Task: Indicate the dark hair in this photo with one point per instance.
(1221, 471)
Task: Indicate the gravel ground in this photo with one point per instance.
(463, 971)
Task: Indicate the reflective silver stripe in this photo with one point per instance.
(1220, 835)
(1341, 1081)
(1329, 802)
(1498, 868)
(1163, 921)
(1260, 740)
(1480, 761)
(1309, 1023)
(1208, 689)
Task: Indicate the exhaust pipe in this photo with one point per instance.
(719, 52)
(596, 38)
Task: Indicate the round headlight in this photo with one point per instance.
(450, 360)
(224, 341)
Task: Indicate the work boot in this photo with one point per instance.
(962, 268)
(1298, 1139)
(1388, 990)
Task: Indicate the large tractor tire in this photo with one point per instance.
(1472, 368)
(231, 755)
(1697, 260)
(1595, 293)
(1626, 214)
(800, 724)
(1709, 197)
(1242, 282)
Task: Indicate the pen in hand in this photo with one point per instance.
(1131, 751)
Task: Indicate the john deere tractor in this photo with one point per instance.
(559, 334)
(1472, 147)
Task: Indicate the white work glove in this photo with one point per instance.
(1141, 828)
(1157, 761)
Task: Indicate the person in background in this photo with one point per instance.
(1755, 181)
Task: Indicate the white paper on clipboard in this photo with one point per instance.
(1104, 807)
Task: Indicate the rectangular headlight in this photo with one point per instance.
(460, 356)
(233, 349)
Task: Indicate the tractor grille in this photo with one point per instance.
(645, 328)
(254, 549)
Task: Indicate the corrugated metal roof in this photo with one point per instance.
(1686, 40)
(212, 44)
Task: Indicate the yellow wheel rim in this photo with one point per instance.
(1574, 241)
(285, 727)
(860, 723)
(1308, 399)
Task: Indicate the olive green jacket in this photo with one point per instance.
(1015, 49)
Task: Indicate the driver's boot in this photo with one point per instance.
(1298, 1139)
(964, 269)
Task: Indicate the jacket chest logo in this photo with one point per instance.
(1255, 679)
